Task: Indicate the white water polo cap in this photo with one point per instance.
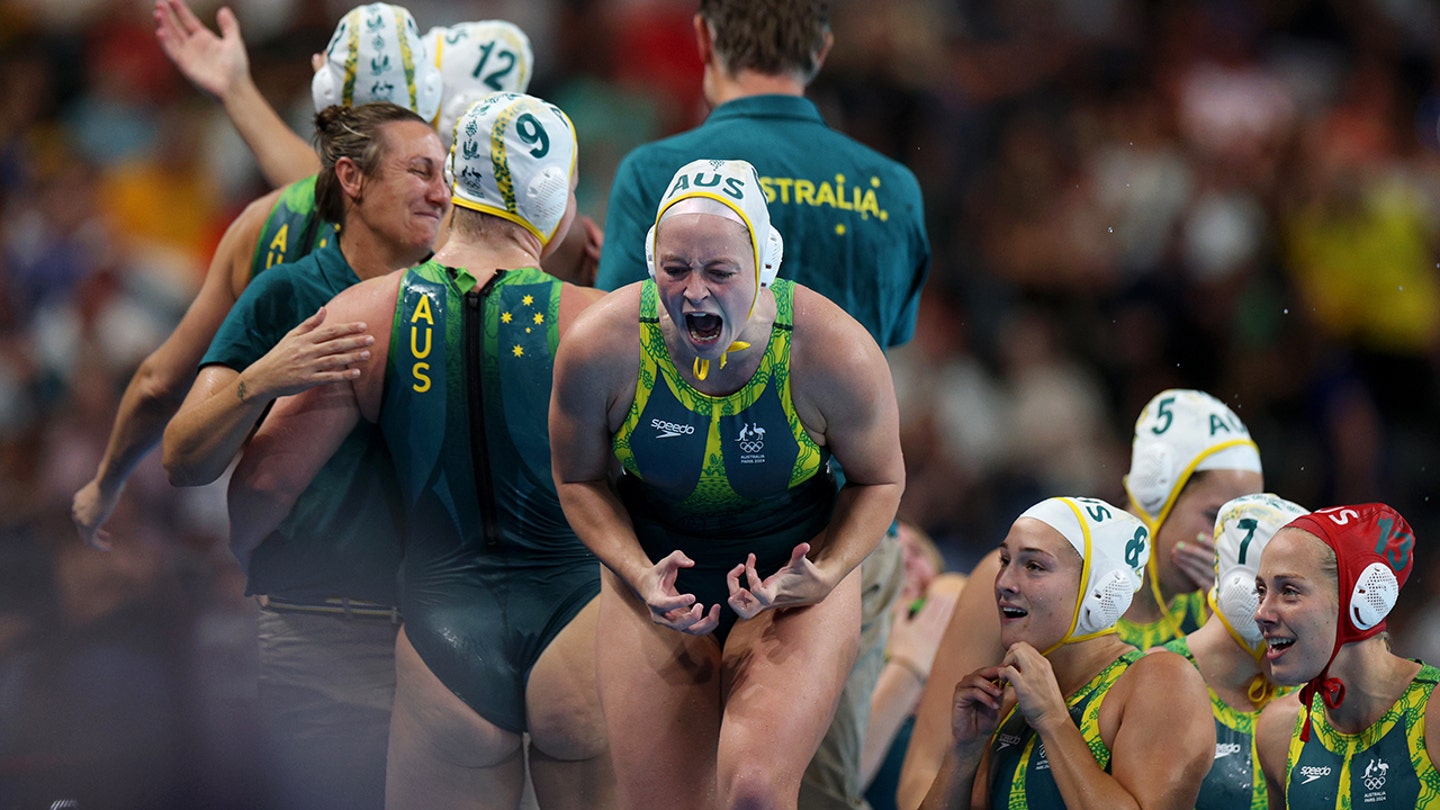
(1179, 433)
(1243, 528)
(376, 54)
(513, 157)
(476, 59)
(736, 185)
(1114, 546)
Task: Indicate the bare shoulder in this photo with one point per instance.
(575, 299)
(1162, 676)
(827, 338)
(372, 300)
(610, 321)
(1278, 718)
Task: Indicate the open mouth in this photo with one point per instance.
(1009, 612)
(703, 327)
(1277, 646)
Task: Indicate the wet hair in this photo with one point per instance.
(353, 132)
(768, 36)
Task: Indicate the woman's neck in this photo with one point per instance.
(1374, 679)
(1077, 663)
(739, 365)
(370, 257)
(1227, 667)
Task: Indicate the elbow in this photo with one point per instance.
(180, 467)
(161, 387)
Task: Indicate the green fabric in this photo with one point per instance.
(282, 238)
(342, 537)
(1020, 776)
(1235, 778)
(480, 615)
(720, 477)
(1184, 616)
(852, 219)
(1386, 765)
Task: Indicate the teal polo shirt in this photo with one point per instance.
(852, 219)
(342, 538)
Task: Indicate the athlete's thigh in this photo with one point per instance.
(561, 698)
(659, 688)
(784, 672)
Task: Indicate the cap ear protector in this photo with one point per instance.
(1374, 596)
(1113, 546)
(1107, 598)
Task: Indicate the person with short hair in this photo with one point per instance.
(497, 592)
(282, 225)
(1362, 733)
(1072, 716)
(730, 557)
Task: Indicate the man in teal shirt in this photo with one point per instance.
(854, 230)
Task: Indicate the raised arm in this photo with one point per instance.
(159, 385)
(302, 432)
(972, 640)
(219, 66)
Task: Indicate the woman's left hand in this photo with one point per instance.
(1038, 694)
(798, 582)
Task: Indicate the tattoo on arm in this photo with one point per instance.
(240, 390)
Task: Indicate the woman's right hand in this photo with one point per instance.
(668, 607)
(975, 709)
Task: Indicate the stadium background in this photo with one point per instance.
(1122, 196)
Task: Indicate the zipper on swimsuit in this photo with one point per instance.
(474, 382)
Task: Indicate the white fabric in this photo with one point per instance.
(1181, 432)
(736, 185)
(1243, 528)
(513, 157)
(1103, 535)
(376, 54)
(477, 59)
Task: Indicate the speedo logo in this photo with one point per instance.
(669, 430)
(1312, 772)
(1223, 750)
(1007, 740)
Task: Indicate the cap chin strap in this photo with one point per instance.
(701, 366)
(1152, 566)
(1070, 637)
(1261, 690)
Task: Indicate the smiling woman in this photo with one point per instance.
(1072, 716)
(1326, 583)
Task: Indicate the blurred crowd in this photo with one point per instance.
(1240, 196)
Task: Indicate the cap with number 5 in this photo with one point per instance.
(1180, 432)
(513, 157)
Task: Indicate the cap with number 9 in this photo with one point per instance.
(513, 157)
